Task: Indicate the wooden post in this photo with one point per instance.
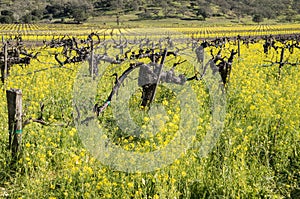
(2, 66)
(281, 62)
(239, 45)
(159, 74)
(14, 104)
(5, 61)
(118, 20)
(4, 69)
(92, 58)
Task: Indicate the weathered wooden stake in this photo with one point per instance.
(159, 74)
(14, 104)
(118, 20)
(239, 46)
(92, 59)
(4, 69)
(281, 62)
(5, 61)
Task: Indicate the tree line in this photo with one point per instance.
(29, 11)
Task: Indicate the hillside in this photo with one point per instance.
(27, 11)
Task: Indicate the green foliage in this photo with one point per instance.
(257, 18)
(7, 13)
(56, 10)
(37, 13)
(79, 11)
(6, 19)
(79, 15)
(269, 9)
(202, 12)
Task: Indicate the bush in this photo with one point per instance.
(7, 13)
(37, 13)
(6, 19)
(27, 18)
(257, 18)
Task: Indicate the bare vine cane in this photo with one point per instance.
(118, 83)
(14, 53)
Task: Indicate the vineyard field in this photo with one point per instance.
(240, 83)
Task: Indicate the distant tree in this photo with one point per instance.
(37, 13)
(79, 15)
(224, 5)
(7, 16)
(117, 5)
(134, 5)
(257, 18)
(6, 19)
(79, 11)
(290, 15)
(167, 8)
(183, 10)
(239, 9)
(203, 9)
(296, 6)
(202, 12)
(57, 10)
(103, 4)
(7, 13)
(27, 18)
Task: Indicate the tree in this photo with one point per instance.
(7, 16)
(183, 10)
(37, 13)
(103, 5)
(26, 18)
(165, 7)
(117, 5)
(56, 10)
(6, 19)
(203, 9)
(7, 13)
(203, 13)
(290, 15)
(257, 18)
(79, 15)
(79, 11)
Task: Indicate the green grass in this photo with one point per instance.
(132, 20)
